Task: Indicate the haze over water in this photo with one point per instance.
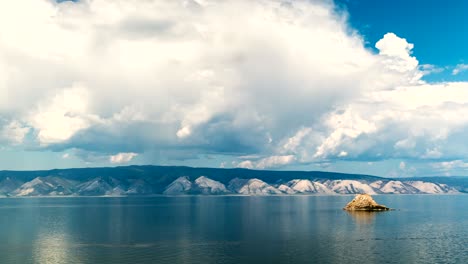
(233, 229)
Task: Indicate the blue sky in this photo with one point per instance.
(374, 87)
(437, 27)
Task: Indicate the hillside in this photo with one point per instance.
(175, 180)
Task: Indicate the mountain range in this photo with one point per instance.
(175, 180)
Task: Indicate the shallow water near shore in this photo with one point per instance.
(233, 229)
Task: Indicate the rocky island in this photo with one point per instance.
(364, 202)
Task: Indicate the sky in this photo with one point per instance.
(363, 86)
(434, 27)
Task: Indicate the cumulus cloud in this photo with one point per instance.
(189, 70)
(14, 132)
(449, 165)
(397, 48)
(459, 68)
(447, 168)
(391, 125)
(246, 164)
(427, 69)
(395, 55)
(122, 157)
(275, 161)
(286, 83)
(58, 118)
(267, 162)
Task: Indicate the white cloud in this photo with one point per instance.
(275, 161)
(427, 69)
(184, 132)
(246, 164)
(294, 142)
(402, 165)
(287, 82)
(343, 154)
(181, 62)
(122, 157)
(395, 54)
(393, 46)
(404, 170)
(346, 126)
(57, 119)
(432, 154)
(266, 162)
(460, 68)
(447, 167)
(399, 124)
(14, 132)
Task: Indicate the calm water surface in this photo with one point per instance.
(230, 229)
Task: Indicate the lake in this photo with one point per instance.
(233, 229)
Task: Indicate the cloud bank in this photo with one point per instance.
(285, 82)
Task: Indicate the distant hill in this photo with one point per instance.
(175, 180)
(458, 182)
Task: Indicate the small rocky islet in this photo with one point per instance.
(364, 202)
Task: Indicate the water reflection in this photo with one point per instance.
(363, 217)
(300, 229)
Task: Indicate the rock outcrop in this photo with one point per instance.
(364, 202)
